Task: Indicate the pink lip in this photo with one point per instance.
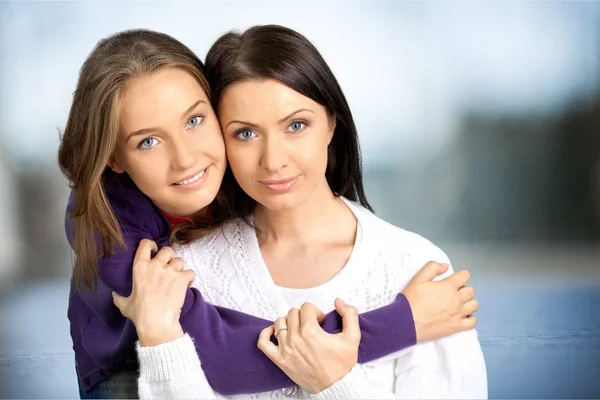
(280, 185)
(194, 184)
(189, 176)
(278, 181)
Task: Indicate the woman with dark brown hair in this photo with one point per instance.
(302, 238)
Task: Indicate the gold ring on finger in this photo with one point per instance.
(278, 331)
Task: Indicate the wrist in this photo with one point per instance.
(421, 333)
(155, 336)
(348, 387)
(329, 381)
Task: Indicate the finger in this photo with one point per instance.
(429, 271)
(468, 322)
(459, 279)
(164, 255)
(189, 276)
(442, 269)
(281, 329)
(466, 293)
(144, 250)
(293, 321)
(176, 263)
(310, 315)
(349, 314)
(321, 317)
(119, 301)
(265, 345)
(310, 321)
(470, 307)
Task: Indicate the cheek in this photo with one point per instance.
(308, 154)
(242, 160)
(213, 146)
(312, 154)
(209, 141)
(147, 171)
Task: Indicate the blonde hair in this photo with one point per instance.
(90, 136)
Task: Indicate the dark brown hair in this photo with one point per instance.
(277, 52)
(90, 136)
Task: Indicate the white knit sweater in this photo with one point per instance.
(230, 272)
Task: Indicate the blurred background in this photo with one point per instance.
(480, 128)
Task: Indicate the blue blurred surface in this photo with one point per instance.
(539, 341)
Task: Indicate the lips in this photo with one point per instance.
(280, 185)
(279, 181)
(191, 178)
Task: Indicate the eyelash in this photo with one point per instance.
(299, 121)
(303, 122)
(142, 141)
(200, 116)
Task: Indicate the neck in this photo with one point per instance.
(306, 223)
(199, 217)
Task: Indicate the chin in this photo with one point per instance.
(279, 202)
(195, 204)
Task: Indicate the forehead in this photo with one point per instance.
(260, 97)
(169, 91)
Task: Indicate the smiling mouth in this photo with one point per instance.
(191, 179)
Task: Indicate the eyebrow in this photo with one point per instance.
(147, 131)
(290, 115)
(191, 108)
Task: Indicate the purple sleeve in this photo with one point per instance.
(226, 342)
(225, 339)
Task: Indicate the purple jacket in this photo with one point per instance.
(225, 339)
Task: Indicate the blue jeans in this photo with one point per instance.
(122, 385)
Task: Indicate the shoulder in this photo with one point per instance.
(137, 217)
(127, 201)
(223, 265)
(132, 208)
(223, 239)
(397, 243)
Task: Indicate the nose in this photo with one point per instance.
(273, 156)
(182, 155)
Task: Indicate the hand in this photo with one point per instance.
(311, 357)
(159, 288)
(440, 308)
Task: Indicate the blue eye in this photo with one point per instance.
(245, 134)
(148, 143)
(195, 121)
(297, 126)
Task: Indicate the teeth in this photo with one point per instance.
(192, 179)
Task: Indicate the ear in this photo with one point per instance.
(332, 124)
(115, 167)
